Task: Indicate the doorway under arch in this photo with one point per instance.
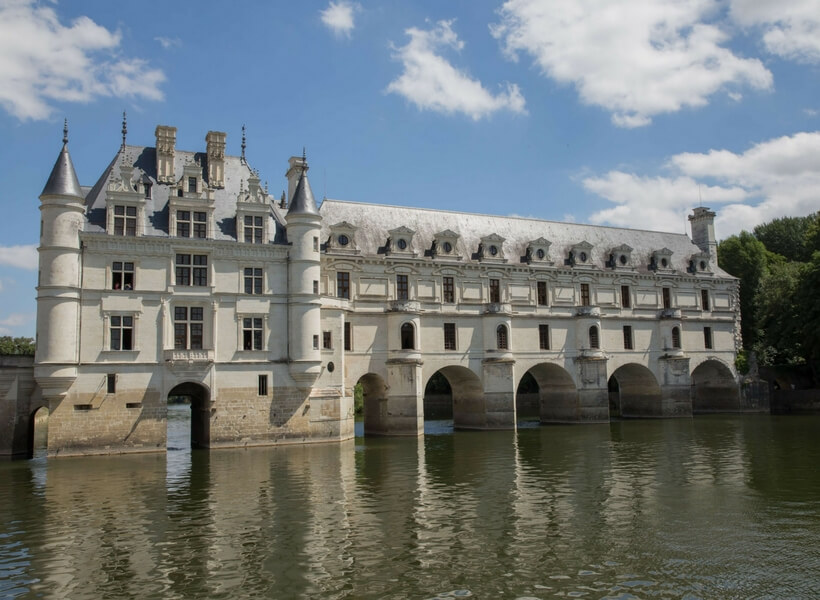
(556, 395)
(374, 403)
(714, 388)
(198, 398)
(462, 390)
(634, 392)
(38, 432)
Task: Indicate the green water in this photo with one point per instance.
(711, 507)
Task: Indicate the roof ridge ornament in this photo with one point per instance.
(124, 128)
(65, 132)
(242, 156)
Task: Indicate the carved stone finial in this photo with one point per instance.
(124, 128)
(243, 143)
(304, 155)
(65, 132)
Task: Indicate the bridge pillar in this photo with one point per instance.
(499, 392)
(405, 396)
(676, 389)
(593, 391)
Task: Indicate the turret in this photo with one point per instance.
(58, 289)
(703, 232)
(304, 224)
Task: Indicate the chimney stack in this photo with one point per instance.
(166, 142)
(297, 164)
(215, 141)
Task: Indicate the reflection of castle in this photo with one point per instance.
(178, 274)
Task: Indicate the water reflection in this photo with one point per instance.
(704, 508)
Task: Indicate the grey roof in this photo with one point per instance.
(63, 179)
(303, 202)
(143, 160)
(377, 220)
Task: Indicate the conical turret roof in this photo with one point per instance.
(63, 179)
(303, 202)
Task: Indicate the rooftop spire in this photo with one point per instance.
(65, 132)
(243, 142)
(63, 179)
(124, 128)
(302, 201)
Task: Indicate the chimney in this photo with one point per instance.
(166, 141)
(297, 164)
(703, 231)
(215, 141)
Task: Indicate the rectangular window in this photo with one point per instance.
(315, 342)
(449, 290)
(495, 290)
(704, 299)
(125, 220)
(122, 332)
(541, 289)
(402, 287)
(628, 337)
(544, 337)
(626, 297)
(122, 275)
(111, 381)
(188, 322)
(263, 385)
(667, 298)
(200, 225)
(192, 269)
(253, 280)
(252, 331)
(147, 191)
(707, 338)
(253, 230)
(315, 287)
(315, 244)
(183, 223)
(327, 340)
(343, 284)
(449, 336)
(192, 185)
(585, 294)
(348, 336)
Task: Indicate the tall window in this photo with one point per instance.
(495, 290)
(192, 269)
(408, 336)
(122, 275)
(192, 221)
(667, 298)
(541, 289)
(111, 383)
(402, 288)
(327, 340)
(122, 333)
(192, 185)
(704, 299)
(252, 331)
(448, 288)
(626, 297)
(125, 220)
(188, 322)
(502, 338)
(343, 284)
(262, 386)
(544, 337)
(628, 337)
(707, 338)
(348, 336)
(253, 280)
(675, 337)
(449, 336)
(594, 341)
(253, 229)
(585, 294)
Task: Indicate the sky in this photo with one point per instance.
(626, 113)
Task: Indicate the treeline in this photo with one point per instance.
(19, 345)
(778, 265)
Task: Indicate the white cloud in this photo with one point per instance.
(12, 324)
(167, 42)
(339, 17)
(431, 83)
(791, 28)
(635, 58)
(775, 178)
(23, 257)
(43, 61)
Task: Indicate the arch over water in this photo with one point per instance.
(467, 395)
(374, 404)
(199, 398)
(557, 393)
(37, 431)
(634, 392)
(714, 388)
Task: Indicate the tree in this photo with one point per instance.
(787, 236)
(779, 314)
(808, 292)
(19, 345)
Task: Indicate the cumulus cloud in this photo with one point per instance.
(791, 28)
(635, 58)
(431, 83)
(13, 323)
(167, 42)
(43, 61)
(775, 178)
(339, 17)
(23, 257)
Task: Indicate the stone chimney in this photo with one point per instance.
(215, 141)
(297, 164)
(166, 142)
(703, 231)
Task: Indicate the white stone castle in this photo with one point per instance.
(177, 274)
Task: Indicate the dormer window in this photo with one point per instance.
(620, 257)
(254, 229)
(343, 238)
(400, 240)
(538, 251)
(491, 247)
(580, 255)
(661, 260)
(447, 247)
(699, 263)
(444, 245)
(125, 220)
(192, 185)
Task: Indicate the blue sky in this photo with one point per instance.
(625, 113)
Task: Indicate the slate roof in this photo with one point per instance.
(376, 220)
(143, 159)
(303, 202)
(63, 179)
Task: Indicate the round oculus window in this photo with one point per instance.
(623, 259)
(402, 244)
(540, 254)
(493, 250)
(583, 256)
(343, 240)
(702, 265)
(331, 367)
(448, 247)
(664, 263)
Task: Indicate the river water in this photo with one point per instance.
(710, 507)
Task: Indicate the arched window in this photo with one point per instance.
(502, 341)
(408, 336)
(675, 337)
(594, 342)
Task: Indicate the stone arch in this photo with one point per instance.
(374, 404)
(37, 438)
(199, 397)
(467, 394)
(634, 392)
(557, 393)
(408, 336)
(714, 388)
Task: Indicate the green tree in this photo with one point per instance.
(787, 236)
(809, 302)
(19, 345)
(779, 313)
